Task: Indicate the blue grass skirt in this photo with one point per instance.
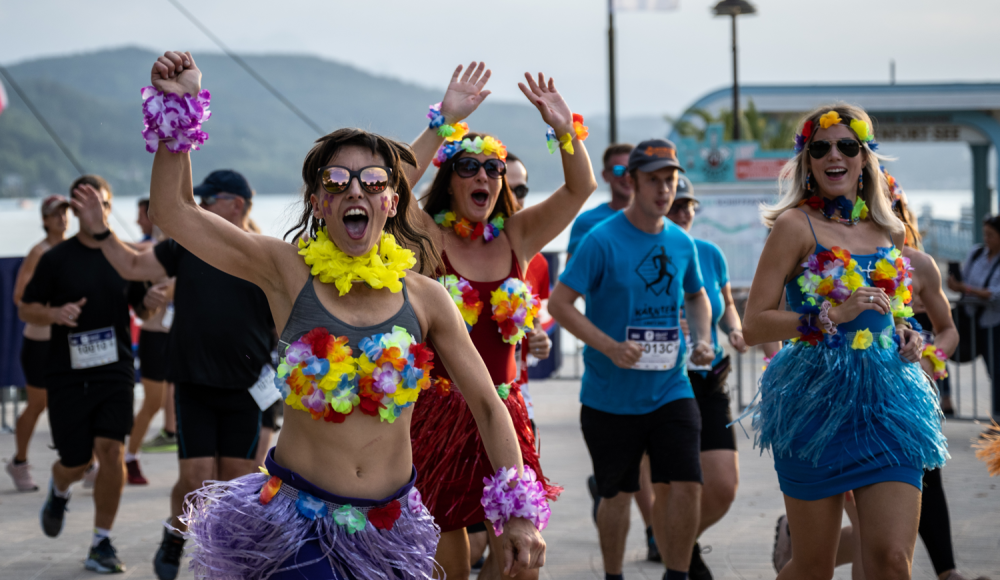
(836, 418)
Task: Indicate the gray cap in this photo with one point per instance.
(685, 190)
(653, 154)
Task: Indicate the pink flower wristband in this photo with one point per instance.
(824, 317)
(526, 499)
(174, 120)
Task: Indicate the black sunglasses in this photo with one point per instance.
(373, 179)
(469, 167)
(520, 191)
(849, 147)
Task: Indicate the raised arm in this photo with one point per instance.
(464, 95)
(130, 263)
(172, 206)
(460, 358)
(534, 227)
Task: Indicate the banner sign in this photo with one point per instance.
(716, 161)
(732, 222)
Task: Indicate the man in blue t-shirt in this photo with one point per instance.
(637, 270)
(615, 175)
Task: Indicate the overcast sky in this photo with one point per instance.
(665, 59)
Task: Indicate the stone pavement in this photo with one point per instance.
(740, 543)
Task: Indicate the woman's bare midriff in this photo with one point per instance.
(362, 457)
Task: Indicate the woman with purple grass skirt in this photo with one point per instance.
(335, 498)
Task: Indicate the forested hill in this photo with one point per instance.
(92, 101)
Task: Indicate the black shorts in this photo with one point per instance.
(33, 356)
(670, 435)
(213, 421)
(153, 355)
(79, 413)
(713, 402)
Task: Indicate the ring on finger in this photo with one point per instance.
(871, 299)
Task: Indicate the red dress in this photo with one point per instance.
(448, 453)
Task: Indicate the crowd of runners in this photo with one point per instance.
(392, 332)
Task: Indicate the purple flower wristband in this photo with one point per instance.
(527, 499)
(174, 120)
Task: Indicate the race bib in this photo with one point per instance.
(659, 347)
(168, 316)
(263, 391)
(93, 348)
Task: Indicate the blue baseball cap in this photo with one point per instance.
(224, 181)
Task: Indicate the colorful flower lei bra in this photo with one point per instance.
(833, 275)
(466, 229)
(319, 375)
(466, 298)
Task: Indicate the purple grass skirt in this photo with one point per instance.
(252, 528)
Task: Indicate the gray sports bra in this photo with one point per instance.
(308, 313)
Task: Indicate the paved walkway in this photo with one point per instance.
(741, 543)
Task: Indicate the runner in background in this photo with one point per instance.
(634, 289)
(90, 375)
(615, 174)
(719, 460)
(220, 341)
(35, 344)
(536, 340)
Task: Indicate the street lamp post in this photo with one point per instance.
(735, 8)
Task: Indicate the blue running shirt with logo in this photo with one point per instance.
(634, 285)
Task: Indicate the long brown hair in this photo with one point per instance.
(405, 225)
(438, 197)
(899, 207)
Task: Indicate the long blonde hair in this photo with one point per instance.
(791, 183)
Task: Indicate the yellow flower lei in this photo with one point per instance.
(381, 267)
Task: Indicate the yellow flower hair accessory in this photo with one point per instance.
(829, 119)
(381, 267)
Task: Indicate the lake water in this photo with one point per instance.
(20, 225)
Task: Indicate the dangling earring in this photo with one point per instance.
(861, 182)
(809, 182)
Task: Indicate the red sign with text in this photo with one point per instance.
(759, 169)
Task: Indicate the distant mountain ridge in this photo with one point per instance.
(92, 101)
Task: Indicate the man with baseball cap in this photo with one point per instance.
(638, 270)
(220, 341)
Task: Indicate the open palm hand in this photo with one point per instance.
(550, 103)
(465, 94)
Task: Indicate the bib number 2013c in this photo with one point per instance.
(659, 347)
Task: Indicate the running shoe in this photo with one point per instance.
(21, 474)
(592, 487)
(53, 512)
(652, 552)
(104, 559)
(162, 443)
(167, 561)
(90, 476)
(698, 570)
(135, 476)
(782, 552)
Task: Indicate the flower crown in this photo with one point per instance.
(488, 145)
(861, 128)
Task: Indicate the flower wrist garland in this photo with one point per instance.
(381, 267)
(514, 309)
(938, 359)
(174, 120)
(824, 317)
(580, 131)
(452, 132)
(526, 499)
